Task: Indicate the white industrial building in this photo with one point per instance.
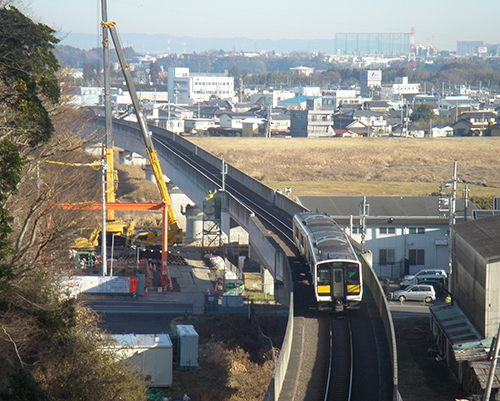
(188, 88)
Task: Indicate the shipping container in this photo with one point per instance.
(187, 347)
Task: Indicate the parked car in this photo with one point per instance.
(439, 283)
(418, 292)
(423, 279)
(427, 274)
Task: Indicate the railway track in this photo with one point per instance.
(340, 376)
(353, 371)
(279, 221)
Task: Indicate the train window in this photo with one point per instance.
(352, 272)
(338, 276)
(323, 276)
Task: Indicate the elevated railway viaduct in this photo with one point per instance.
(267, 217)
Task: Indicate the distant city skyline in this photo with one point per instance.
(439, 23)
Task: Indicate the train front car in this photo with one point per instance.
(334, 267)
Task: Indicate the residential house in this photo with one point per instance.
(333, 99)
(272, 97)
(280, 124)
(476, 271)
(399, 90)
(474, 123)
(199, 124)
(495, 130)
(235, 120)
(363, 122)
(441, 131)
(380, 106)
(374, 120)
(448, 103)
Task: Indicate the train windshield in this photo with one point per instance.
(351, 272)
(325, 269)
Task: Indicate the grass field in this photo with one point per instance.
(368, 166)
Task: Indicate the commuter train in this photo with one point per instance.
(335, 269)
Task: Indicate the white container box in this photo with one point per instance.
(150, 354)
(187, 346)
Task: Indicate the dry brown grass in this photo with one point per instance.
(383, 165)
(234, 366)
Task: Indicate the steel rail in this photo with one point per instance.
(340, 373)
(250, 204)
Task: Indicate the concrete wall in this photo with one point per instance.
(370, 282)
(492, 301)
(468, 282)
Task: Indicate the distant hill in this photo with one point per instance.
(158, 44)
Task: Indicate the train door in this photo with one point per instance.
(331, 283)
(337, 283)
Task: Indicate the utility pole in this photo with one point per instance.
(364, 210)
(491, 376)
(268, 125)
(453, 209)
(224, 173)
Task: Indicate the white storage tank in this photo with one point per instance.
(150, 354)
(187, 346)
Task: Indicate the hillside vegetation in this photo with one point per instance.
(370, 166)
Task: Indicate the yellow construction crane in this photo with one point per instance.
(174, 232)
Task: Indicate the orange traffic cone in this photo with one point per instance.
(146, 291)
(216, 292)
(208, 292)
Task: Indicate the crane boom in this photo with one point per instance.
(175, 232)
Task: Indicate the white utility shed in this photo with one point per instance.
(187, 338)
(150, 354)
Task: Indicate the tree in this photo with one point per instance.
(50, 346)
(423, 113)
(27, 77)
(89, 73)
(154, 72)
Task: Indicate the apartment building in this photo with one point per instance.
(185, 87)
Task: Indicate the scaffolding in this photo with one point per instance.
(212, 232)
(372, 43)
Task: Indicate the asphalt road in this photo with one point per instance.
(411, 308)
(139, 317)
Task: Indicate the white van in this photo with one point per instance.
(424, 293)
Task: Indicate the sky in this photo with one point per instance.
(436, 22)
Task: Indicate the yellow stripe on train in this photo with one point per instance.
(351, 289)
(323, 289)
(356, 289)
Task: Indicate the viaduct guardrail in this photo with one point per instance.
(196, 186)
